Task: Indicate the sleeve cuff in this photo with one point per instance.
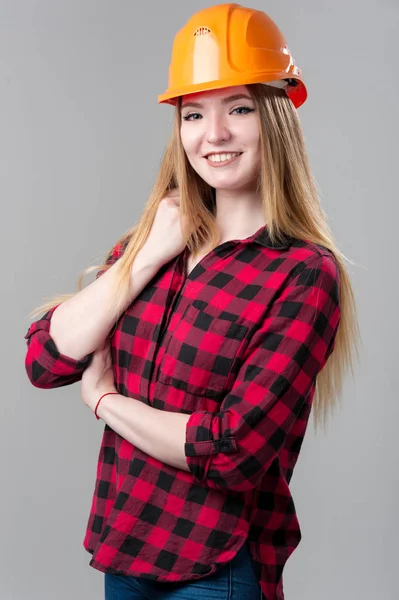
(43, 349)
(200, 444)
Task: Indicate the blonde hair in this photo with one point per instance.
(292, 207)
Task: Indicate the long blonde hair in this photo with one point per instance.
(291, 206)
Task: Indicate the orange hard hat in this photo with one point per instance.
(228, 45)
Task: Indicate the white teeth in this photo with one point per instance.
(222, 157)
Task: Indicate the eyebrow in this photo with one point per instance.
(224, 101)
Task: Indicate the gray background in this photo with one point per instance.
(81, 135)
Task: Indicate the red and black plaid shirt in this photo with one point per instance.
(237, 345)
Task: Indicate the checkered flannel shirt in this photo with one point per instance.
(237, 345)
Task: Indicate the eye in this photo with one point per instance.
(189, 117)
(244, 110)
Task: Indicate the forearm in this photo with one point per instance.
(81, 323)
(158, 433)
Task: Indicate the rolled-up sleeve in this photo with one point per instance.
(45, 365)
(232, 450)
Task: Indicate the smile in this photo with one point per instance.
(223, 158)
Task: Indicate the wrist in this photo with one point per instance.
(99, 399)
(147, 261)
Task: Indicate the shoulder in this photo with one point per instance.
(307, 269)
(317, 277)
(308, 256)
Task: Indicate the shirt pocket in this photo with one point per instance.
(200, 352)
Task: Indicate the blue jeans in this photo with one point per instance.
(235, 581)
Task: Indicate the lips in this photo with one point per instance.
(221, 153)
(219, 158)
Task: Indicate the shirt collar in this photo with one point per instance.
(262, 236)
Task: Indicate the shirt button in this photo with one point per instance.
(225, 445)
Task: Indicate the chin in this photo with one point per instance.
(219, 179)
(226, 183)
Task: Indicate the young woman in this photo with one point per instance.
(212, 329)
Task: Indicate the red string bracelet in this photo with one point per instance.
(106, 394)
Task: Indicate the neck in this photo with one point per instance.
(238, 214)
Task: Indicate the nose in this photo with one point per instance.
(218, 130)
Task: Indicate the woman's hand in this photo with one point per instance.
(165, 240)
(98, 377)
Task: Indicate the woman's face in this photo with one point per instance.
(220, 135)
